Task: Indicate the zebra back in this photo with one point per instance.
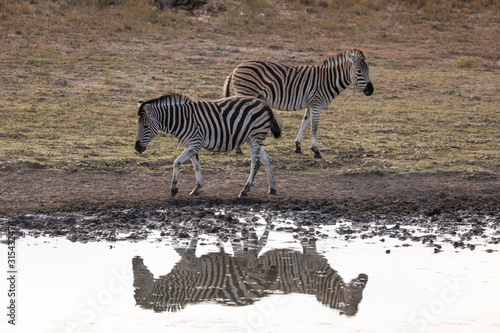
(163, 102)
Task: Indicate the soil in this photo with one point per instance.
(39, 191)
(446, 208)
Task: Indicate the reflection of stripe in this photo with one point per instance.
(306, 274)
(216, 277)
(229, 280)
(221, 278)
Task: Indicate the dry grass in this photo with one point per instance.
(72, 72)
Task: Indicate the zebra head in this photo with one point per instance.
(147, 126)
(360, 72)
(353, 294)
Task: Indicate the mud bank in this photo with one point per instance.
(462, 229)
(433, 209)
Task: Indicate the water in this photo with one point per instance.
(93, 287)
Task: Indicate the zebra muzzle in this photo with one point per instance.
(139, 147)
(369, 89)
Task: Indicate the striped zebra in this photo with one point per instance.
(221, 125)
(217, 277)
(310, 273)
(244, 278)
(289, 88)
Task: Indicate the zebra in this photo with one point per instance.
(215, 276)
(310, 273)
(221, 125)
(242, 279)
(292, 88)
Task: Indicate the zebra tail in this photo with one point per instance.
(227, 85)
(275, 127)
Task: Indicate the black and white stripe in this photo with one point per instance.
(221, 125)
(246, 277)
(287, 87)
(311, 274)
(215, 277)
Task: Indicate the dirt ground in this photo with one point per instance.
(41, 191)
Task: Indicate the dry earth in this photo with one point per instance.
(48, 192)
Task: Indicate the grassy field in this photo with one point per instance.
(72, 72)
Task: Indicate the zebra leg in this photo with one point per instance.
(255, 150)
(265, 236)
(197, 169)
(239, 151)
(259, 244)
(303, 126)
(188, 253)
(314, 129)
(309, 247)
(267, 163)
(183, 157)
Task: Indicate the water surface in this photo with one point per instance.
(282, 285)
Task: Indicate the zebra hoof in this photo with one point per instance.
(243, 194)
(297, 148)
(239, 151)
(317, 154)
(174, 191)
(272, 191)
(195, 192)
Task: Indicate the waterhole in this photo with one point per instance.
(266, 273)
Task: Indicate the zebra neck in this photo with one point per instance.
(174, 119)
(345, 69)
(337, 75)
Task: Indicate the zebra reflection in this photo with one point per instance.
(245, 277)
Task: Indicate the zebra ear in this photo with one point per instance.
(353, 57)
(148, 109)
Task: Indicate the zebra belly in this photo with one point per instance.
(296, 104)
(223, 145)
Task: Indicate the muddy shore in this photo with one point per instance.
(92, 207)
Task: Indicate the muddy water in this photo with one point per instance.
(270, 280)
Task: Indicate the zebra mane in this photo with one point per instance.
(342, 56)
(166, 100)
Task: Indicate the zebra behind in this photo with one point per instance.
(288, 88)
(221, 125)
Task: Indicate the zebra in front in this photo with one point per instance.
(289, 88)
(221, 125)
(245, 277)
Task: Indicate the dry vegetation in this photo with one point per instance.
(72, 72)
